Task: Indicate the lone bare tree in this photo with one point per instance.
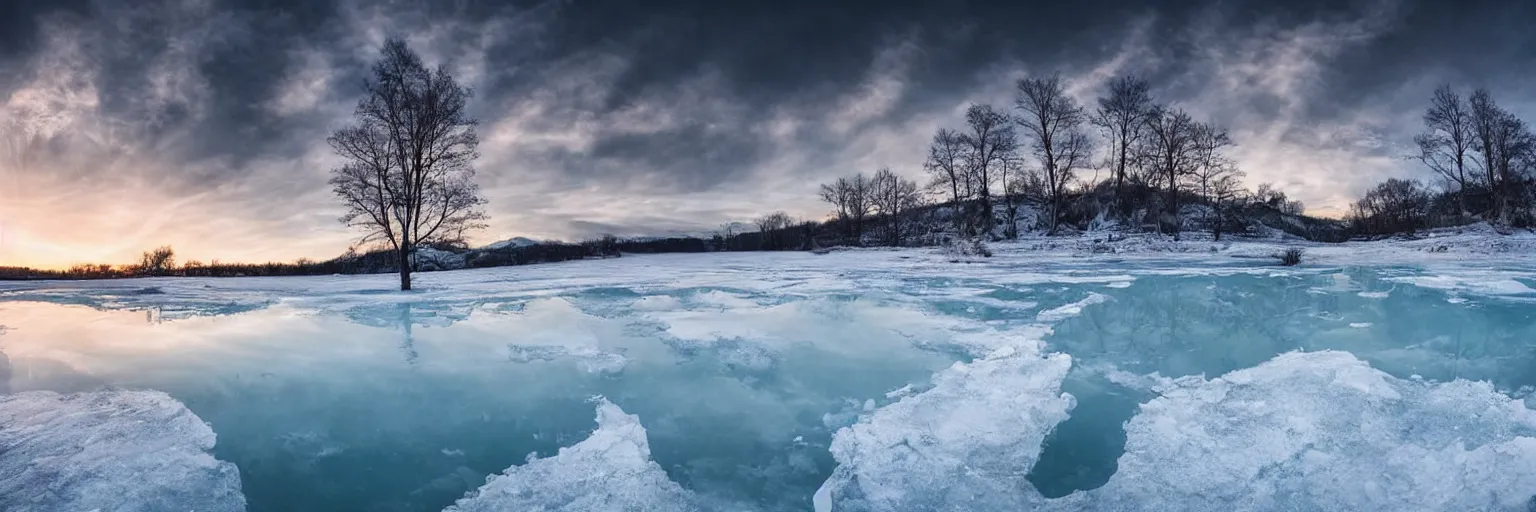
(408, 178)
(1052, 120)
(1122, 116)
(1447, 140)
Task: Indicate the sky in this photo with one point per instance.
(201, 124)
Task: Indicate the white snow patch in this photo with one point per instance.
(975, 434)
(511, 242)
(110, 450)
(831, 324)
(1324, 431)
(1070, 310)
(610, 470)
(1483, 283)
(657, 303)
(724, 300)
(901, 392)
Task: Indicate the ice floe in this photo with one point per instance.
(610, 470)
(969, 440)
(1070, 310)
(131, 451)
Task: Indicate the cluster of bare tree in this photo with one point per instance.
(1038, 152)
(774, 231)
(885, 199)
(1393, 206)
(1157, 157)
(1485, 155)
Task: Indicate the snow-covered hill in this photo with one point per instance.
(509, 243)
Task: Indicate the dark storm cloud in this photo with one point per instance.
(607, 115)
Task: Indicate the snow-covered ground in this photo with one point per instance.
(1087, 373)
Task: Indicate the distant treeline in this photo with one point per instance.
(161, 262)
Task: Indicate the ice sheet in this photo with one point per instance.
(129, 451)
(1070, 310)
(1325, 431)
(610, 470)
(968, 441)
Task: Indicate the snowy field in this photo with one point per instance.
(1061, 374)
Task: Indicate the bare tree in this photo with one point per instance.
(1447, 140)
(770, 229)
(1504, 144)
(1275, 198)
(946, 164)
(1053, 121)
(893, 197)
(1170, 149)
(726, 234)
(1213, 172)
(990, 142)
(853, 200)
(408, 178)
(1513, 143)
(1394, 205)
(1209, 164)
(1226, 191)
(1021, 185)
(1486, 120)
(1122, 117)
(158, 262)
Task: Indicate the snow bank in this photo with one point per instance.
(968, 441)
(127, 451)
(610, 470)
(1325, 431)
(509, 243)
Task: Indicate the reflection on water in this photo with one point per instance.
(367, 400)
(1181, 326)
(321, 412)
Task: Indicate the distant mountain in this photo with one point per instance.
(510, 242)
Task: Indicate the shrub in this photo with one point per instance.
(1290, 257)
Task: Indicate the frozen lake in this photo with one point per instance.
(861, 380)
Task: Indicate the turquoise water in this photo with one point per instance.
(330, 394)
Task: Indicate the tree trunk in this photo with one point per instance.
(1120, 201)
(405, 249)
(1055, 202)
(405, 268)
(986, 215)
(1216, 228)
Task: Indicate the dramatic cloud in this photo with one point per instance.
(201, 123)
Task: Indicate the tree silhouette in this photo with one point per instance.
(408, 179)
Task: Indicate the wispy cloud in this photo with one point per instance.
(201, 123)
